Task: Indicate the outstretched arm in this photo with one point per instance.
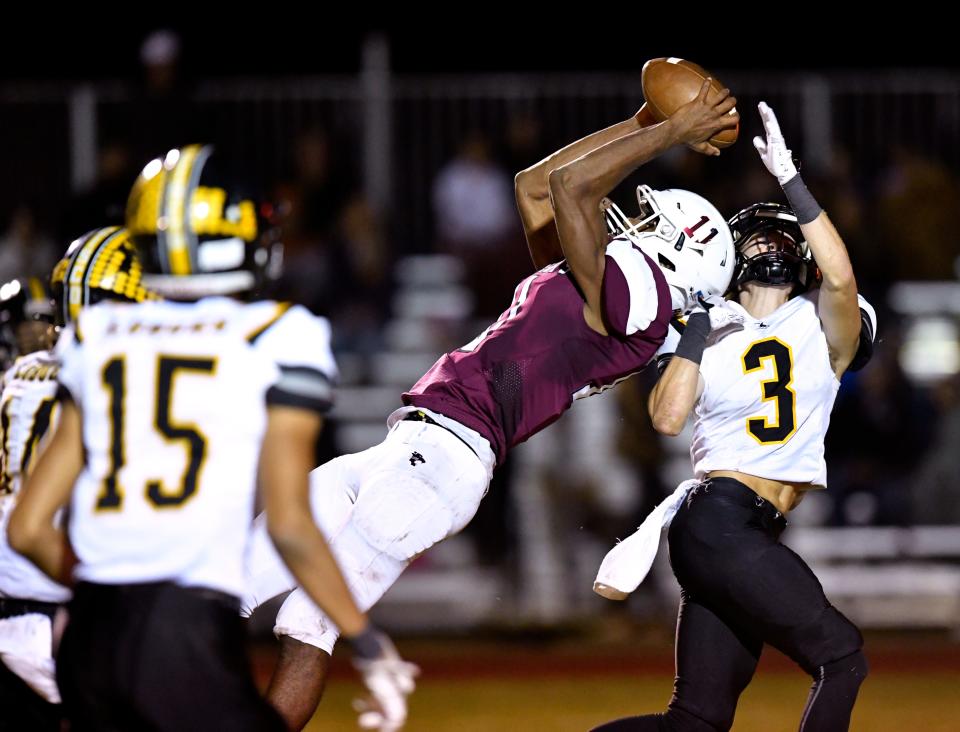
(578, 187)
(838, 305)
(532, 187)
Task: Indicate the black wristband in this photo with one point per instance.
(366, 644)
(694, 338)
(802, 202)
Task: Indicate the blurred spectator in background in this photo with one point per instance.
(475, 218)
(162, 113)
(917, 216)
(933, 493)
(336, 258)
(523, 142)
(881, 428)
(846, 201)
(105, 202)
(25, 250)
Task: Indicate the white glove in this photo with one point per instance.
(774, 151)
(389, 680)
(720, 312)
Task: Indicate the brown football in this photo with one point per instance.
(669, 83)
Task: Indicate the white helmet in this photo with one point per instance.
(683, 233)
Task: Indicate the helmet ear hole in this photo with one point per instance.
(666, 263)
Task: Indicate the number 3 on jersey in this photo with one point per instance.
(776, 389)
(114, 380)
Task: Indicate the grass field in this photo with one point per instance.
(914, 686)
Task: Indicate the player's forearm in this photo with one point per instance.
(306, 553)
(532, 188)
(31, 530)
(838, 304)
(532, 184)
(43, 544)
(593, 175)
(674, 396)
(830, 253)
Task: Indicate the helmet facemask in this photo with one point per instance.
(771, 248)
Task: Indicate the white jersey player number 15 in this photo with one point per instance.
(174, 415)
(188, 436)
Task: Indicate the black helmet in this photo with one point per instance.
(23, 300)
(199, 231)
(787, 258)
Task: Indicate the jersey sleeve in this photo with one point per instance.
(868, 333)
(629, 294)
(299, 344)
(69, 353)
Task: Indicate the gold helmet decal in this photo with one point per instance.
(100, 265)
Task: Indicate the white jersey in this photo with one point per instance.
(28, 409)
(173, 398)
(768, 392)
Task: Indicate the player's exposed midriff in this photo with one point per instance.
(784, 496)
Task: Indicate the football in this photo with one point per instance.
(669, 83)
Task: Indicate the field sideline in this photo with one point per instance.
(484, 686)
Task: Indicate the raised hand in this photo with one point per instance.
(774, 153)
(700, 119)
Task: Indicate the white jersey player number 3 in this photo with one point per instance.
(776, 389)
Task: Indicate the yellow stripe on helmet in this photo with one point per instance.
(176, 206)
(103, 260)
(36, 289)
(76, 279)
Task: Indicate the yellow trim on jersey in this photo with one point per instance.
(775, 398)
(282, 308)
(6, 479)
(175, 206)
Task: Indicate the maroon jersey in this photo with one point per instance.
(525, 370)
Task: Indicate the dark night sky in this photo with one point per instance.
(296, 46)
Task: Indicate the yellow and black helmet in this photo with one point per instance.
(100, 265)
(198, 230)
(26, 298)
(21, 301)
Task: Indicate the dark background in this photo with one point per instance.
(295, 44)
